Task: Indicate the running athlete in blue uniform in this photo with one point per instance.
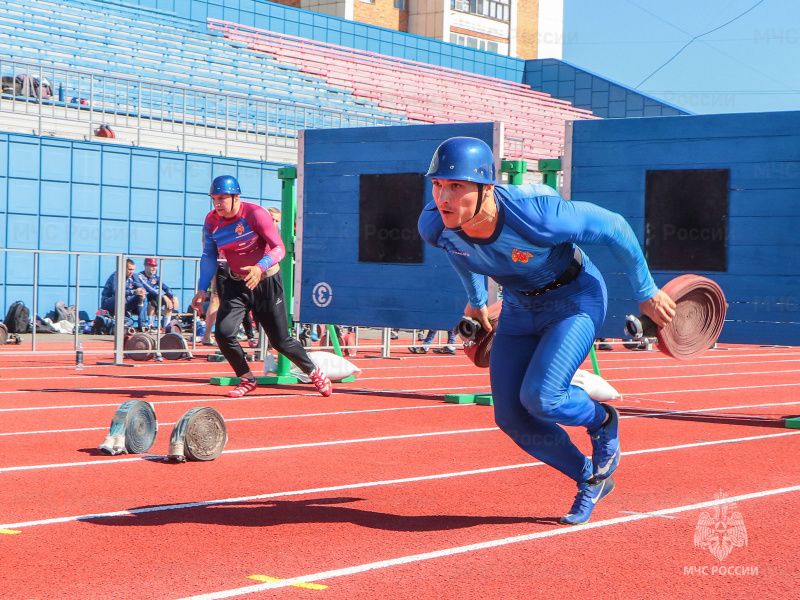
(554, 301)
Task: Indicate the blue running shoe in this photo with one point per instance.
(589, 494)
(605, 446)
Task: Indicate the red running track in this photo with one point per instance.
(385, 491)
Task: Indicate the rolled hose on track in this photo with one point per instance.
(133, 429)
(699, 317)
(199, 435)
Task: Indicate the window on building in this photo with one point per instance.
(493, 9)
(401, 4)
(473, 42)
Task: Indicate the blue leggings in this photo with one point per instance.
(539, 344)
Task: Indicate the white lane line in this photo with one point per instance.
(171, 374)
(445, 405)
(369, 410)
(367, 484)
(404, 560)
(326, 414)
(720, 375)
(127, 388)
(243, 450)
(365, 391)
(222, 398)
(385, 378)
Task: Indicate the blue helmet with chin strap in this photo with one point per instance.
(224, 184)
(463, 159)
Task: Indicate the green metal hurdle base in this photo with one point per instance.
(482, 399)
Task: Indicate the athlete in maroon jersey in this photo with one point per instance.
(248, 278)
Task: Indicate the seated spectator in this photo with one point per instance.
(276, 216)
(151, 281)
(45, 88)
(134, 295)
(32, 87)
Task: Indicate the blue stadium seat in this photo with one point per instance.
(135, 42)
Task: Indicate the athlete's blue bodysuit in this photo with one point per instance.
(542, 340)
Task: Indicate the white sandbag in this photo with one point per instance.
(597, 387)
(333, 365)
(270, 364)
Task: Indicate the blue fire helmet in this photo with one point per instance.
(463, 159)
(224, 184)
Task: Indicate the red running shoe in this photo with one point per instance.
(245, 386)
(321, 382)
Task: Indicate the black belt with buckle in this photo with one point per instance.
(569, 275)
(268, 273)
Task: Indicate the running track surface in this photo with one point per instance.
(385, 491)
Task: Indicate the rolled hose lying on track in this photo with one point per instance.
(699, 317)
(133, 429)
(200, 434)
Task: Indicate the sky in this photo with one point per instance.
(705, 56)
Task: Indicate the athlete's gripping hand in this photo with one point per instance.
(253, 278)
(197, 301)
(660, 308)
(481, 315)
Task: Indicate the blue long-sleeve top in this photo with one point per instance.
(150, 284)
(110, 288)
(534, 241)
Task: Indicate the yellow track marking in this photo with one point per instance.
(308, 586)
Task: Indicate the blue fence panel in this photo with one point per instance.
(611, 158)
(334, 287)
(66, 207)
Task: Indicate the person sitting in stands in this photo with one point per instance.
(151, 281)
(134, 295)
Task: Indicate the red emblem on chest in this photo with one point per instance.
(239, 229)
(520, 256)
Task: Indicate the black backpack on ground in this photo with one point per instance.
(103, 323)
(18, 318)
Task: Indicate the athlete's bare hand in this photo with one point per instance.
(253, 278)
(197, 301)
(481, 315)
(660, 308)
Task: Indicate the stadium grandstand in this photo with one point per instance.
(123, 111)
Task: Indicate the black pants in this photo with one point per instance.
(269, 309)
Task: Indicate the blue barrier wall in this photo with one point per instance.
(65, 195)
(610, 159)
(424, 295)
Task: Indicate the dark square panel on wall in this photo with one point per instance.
(389, 207)
(686, 219)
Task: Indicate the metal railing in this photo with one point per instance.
(96, 99)
(382, 345)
